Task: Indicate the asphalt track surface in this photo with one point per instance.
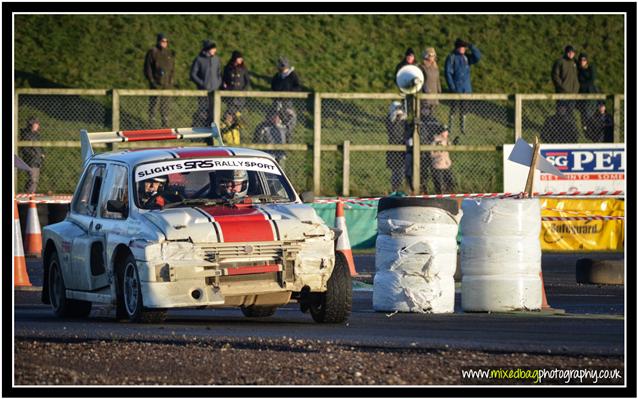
(593, 322)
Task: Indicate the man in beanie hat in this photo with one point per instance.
(32, 156)
(206, 74)
(286, 79)
(236, 77)
(565, 79)
(565, 72)
(457, 76)
(408, 59)
(159, 66)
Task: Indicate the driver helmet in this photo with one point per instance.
(161, 179)
(237, 178)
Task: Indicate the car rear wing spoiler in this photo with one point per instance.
(88, 139)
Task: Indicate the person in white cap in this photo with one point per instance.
(432, 84)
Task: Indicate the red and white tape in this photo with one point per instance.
(57, 199)
(64, 199)
(359, 201)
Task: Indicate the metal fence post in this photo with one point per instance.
(346, 168)
(115, 118)
(316, 148)
(617, 111)
(518, 117)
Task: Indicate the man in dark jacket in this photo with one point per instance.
(587, 84)
(206, 73)
(600, 126)
(32, 156)
(236, 77)
(565, 72)
(457, 76)
(286, 79)
(559, 128)
(408, 59)
(565, 79)
(159, 67)
(273, 131)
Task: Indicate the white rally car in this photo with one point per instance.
(195, 227)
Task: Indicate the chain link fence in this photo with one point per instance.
(61, 114)
(569, 120)
(476, 122)
(284, 125)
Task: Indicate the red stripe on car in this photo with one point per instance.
(201, 152)
(241, 224)
(144, 135)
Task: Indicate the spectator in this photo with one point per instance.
(230, 127)
(559, 128)
(236, 77)
(565, 72)
(32, 156)
(586, 75)
(587, 85)
(286, 79)
(440, 160)
(565, 79)
(430, 128)
(432, 83)
(396, 128)
(408, 59)
(273, 131)
(600, 126)
(457, 76)
(159, 67)
(206, 73)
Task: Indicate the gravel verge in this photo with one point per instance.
(257, 361)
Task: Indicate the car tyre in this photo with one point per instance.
(334, 305)
(132, 301)
(62, 306)
(258, 311)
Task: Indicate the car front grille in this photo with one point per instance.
(233, 252)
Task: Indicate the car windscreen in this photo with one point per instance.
(187, 182)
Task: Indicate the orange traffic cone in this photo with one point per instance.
(20, 275)
(33, 234)
(343, 242)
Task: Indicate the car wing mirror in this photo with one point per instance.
(117, 206)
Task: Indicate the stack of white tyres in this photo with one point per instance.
(415, 255)
(500, 255)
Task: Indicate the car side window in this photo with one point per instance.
(88, 194)
(115, 188)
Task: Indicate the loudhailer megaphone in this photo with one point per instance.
(410, 79)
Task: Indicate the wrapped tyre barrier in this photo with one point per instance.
(500, 255)
(415, 255)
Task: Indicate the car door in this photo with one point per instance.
(80, 272)
(110, 226)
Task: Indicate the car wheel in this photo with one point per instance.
(258, 311)
(63, 307)
(334, 305)
(132, 301)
